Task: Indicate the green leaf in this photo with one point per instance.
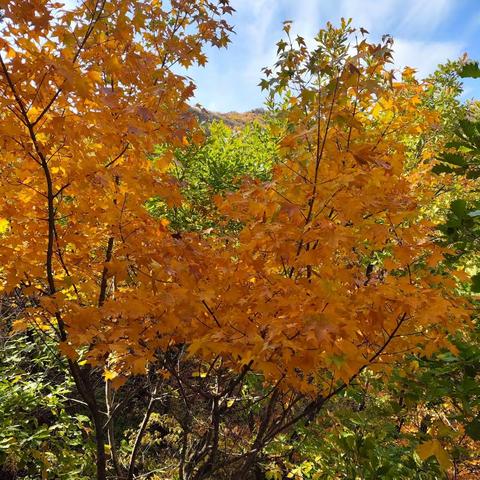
(438, 169)
(470, 70)
(473, 174)
(459, 208)
(264, 84)
(468, 128)
(454, 159)
(456, 144)
(476, 283)
(473, 429)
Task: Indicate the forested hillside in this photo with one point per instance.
(287, 293)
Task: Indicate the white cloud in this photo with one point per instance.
(424, 17)
(413, 24)
(309, 17)
(424, 55)
(374, 15)
(404, 17)
(256, 22)
(419, 28)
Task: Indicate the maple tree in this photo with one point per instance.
(335, 241)
(86, 94)
(332, 271)
(335, 264)
(428, 408)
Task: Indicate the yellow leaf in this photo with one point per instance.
(19, 325)
(95, 76)
(443, 458)
(110, 374)
(118, 381)
(113, 65)
(67, 349)
(434, 448)
(426, 449)
(138, 365)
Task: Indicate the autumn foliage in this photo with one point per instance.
(333, 266)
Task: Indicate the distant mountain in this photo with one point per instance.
(232, 119)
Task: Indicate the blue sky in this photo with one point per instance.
(426, 32)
